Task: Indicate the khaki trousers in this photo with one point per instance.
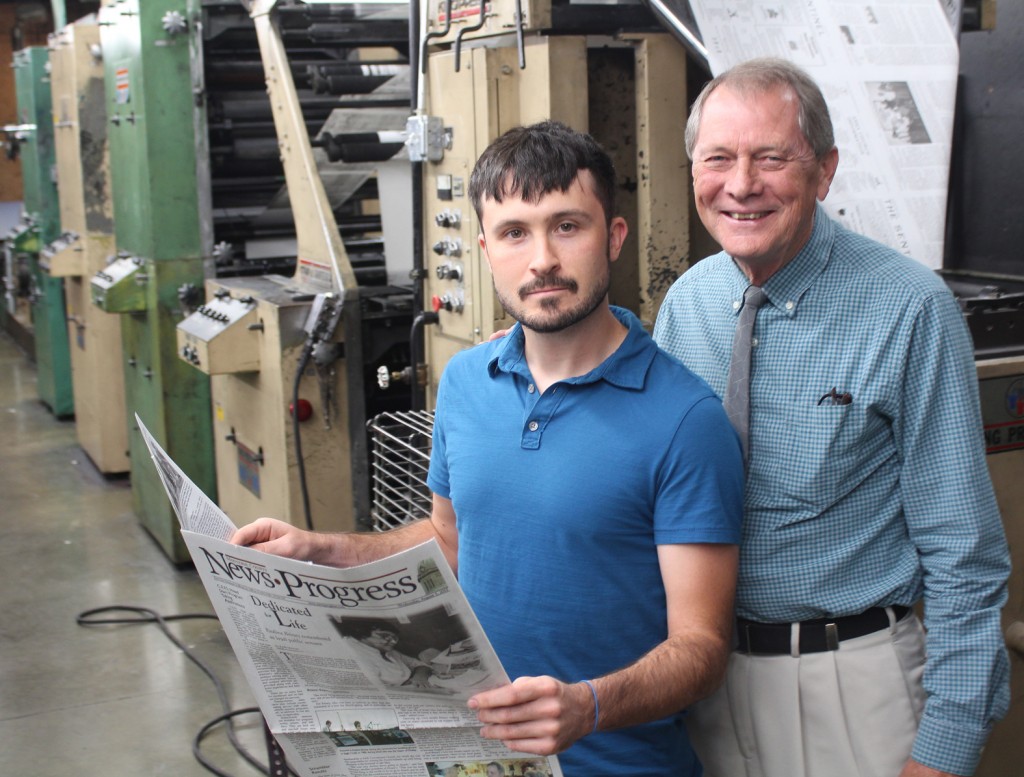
(851, 712)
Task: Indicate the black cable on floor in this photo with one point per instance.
(151, 616)
(227, 717)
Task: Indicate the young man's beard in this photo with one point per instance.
(566, 318)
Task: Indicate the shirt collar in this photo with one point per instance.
(786, 287)
(626, 368)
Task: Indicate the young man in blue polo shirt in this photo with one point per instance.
(587, 487)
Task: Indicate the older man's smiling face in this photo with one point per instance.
(756, 179)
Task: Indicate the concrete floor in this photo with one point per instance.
(120, 700)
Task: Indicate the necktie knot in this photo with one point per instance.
(754, 296)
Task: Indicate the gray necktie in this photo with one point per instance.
(737, 390)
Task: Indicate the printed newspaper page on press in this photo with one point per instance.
(360, 672)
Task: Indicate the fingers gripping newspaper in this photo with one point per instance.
(359, 672)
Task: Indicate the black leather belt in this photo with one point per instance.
(816, 636)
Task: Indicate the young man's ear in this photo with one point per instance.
(483, 247)
(617, 231)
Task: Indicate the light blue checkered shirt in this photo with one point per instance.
(884, 500)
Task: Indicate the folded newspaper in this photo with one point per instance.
(359, 672)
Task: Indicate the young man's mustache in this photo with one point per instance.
(547, 283)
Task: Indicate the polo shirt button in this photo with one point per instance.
(531, 388)
(736, 304)
(533, 426)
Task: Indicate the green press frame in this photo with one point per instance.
(49, 314)
(161, 218)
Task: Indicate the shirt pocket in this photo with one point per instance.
(815, 455)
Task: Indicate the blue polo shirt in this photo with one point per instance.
(562, 498)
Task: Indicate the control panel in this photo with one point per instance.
(449, 291)
(220, 337)
(456, 270)
(64, 257)
(120, 286)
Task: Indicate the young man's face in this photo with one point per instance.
(756, 179)
(551, 260)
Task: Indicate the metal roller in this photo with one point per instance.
(361, 146)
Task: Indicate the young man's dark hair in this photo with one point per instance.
(529, 162)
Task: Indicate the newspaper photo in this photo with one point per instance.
(359, 672)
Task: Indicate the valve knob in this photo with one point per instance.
(174, 23)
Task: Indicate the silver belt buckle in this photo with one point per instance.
(831, 636)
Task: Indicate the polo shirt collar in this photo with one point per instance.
(786, 287)
(626, 368)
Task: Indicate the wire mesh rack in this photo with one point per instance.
(399, 461)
